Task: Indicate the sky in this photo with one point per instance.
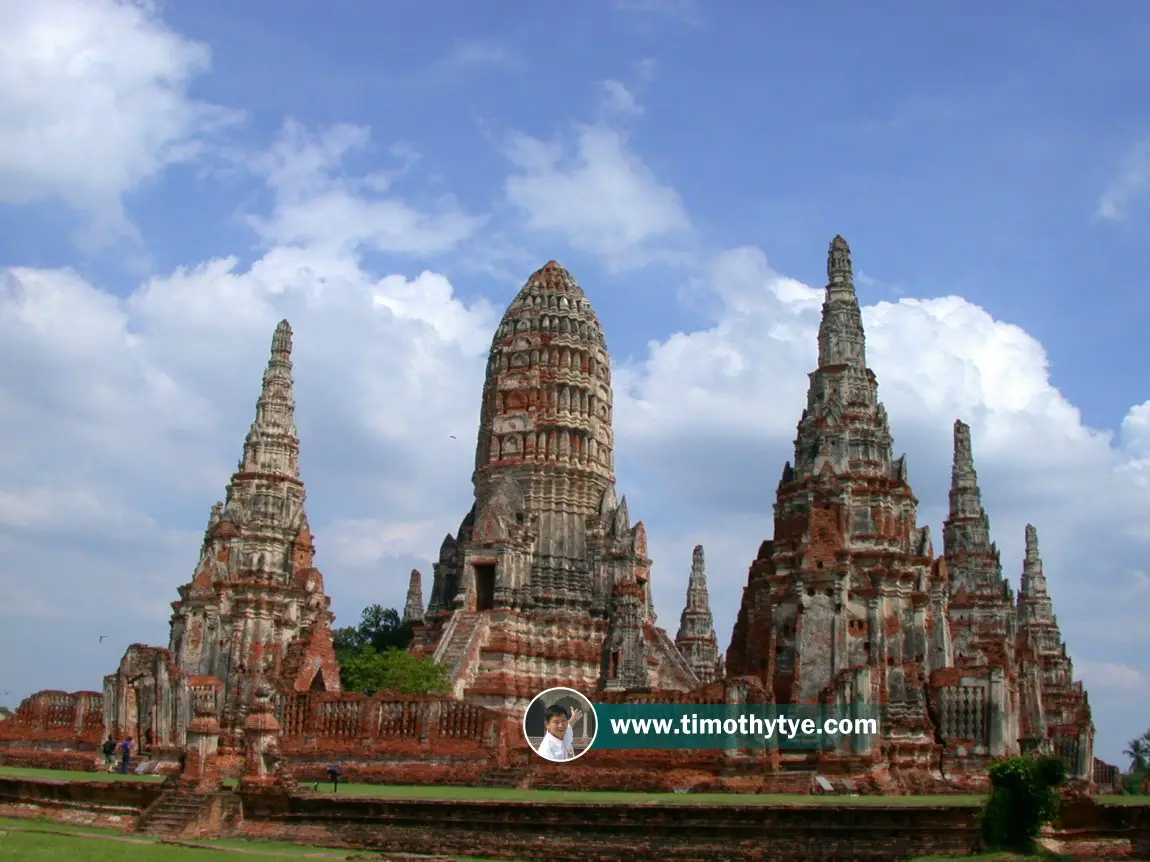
(177, 177)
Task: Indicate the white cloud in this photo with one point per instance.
(1130, 183)
(601, 198)
(94, 102)
(317, 205)
(116, 406)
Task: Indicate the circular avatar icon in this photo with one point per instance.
(560, 724)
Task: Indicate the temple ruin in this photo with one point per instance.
(547, 582)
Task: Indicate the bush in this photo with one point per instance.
(1024, 797)
(1132, 783)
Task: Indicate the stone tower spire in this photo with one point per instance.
(256, 605)
(844, 428)
(834, 607)
(413, 607)
(547, 547)
(973, 560)
(841, 340)
(696, 638)
(1034, 604)
(272, 443)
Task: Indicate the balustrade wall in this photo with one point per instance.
(57, 716)
(313, 715)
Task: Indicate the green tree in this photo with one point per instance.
(394, 670)
(379, 628)
(1024, 797)
(1139, 752)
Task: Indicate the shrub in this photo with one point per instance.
(1024, 797)
(1132, 783)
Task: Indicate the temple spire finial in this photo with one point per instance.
(272, 443)
(839, 269)
(413, 607)
(696, 639)
(1033, 578)
(841, 337)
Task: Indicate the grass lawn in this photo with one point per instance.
(44, 841)
(510, 794)
(71, 775)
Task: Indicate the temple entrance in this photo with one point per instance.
(484, 586)
(317, 683)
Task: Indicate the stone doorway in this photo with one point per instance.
(484, 586)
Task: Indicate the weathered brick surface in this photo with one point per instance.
(606, 833)
(114, 804)
(569, 831)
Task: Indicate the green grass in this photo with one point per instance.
(44, 841)
(70, 775)
(510, 794)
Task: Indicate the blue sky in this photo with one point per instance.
(175, 179)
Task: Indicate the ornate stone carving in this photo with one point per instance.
(546, 540)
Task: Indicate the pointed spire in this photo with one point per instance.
(413, 607)
(272, 444)
(973, 558)
(1033, 579)
(696, 638)
(1034, 603)
(841, 337)
(965, 495)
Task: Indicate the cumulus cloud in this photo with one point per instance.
(596, 194)
(94, 102)
(315, 204)
(124, 415)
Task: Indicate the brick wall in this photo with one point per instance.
(116, 804)
(606, 833)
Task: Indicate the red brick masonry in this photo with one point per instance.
(566, 832)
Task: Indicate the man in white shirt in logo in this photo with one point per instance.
(558, 741)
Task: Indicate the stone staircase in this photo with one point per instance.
(175, 811)
(462, 638)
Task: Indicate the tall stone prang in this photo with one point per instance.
(1056, 715)
(544, 571)
(255, 606)
(975, 684)
(837, 606)
(413, 606)
(256, 603)
(696, 639)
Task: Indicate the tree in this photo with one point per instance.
(1139, 752)
(1023, 797)
(379, 628)
(394, 670)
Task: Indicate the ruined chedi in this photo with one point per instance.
(413, 604)
(696, 640)
(255, 607)
(848, 604)
(1056, 716)
(975, 682)
(836, 607)
(547, 581)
